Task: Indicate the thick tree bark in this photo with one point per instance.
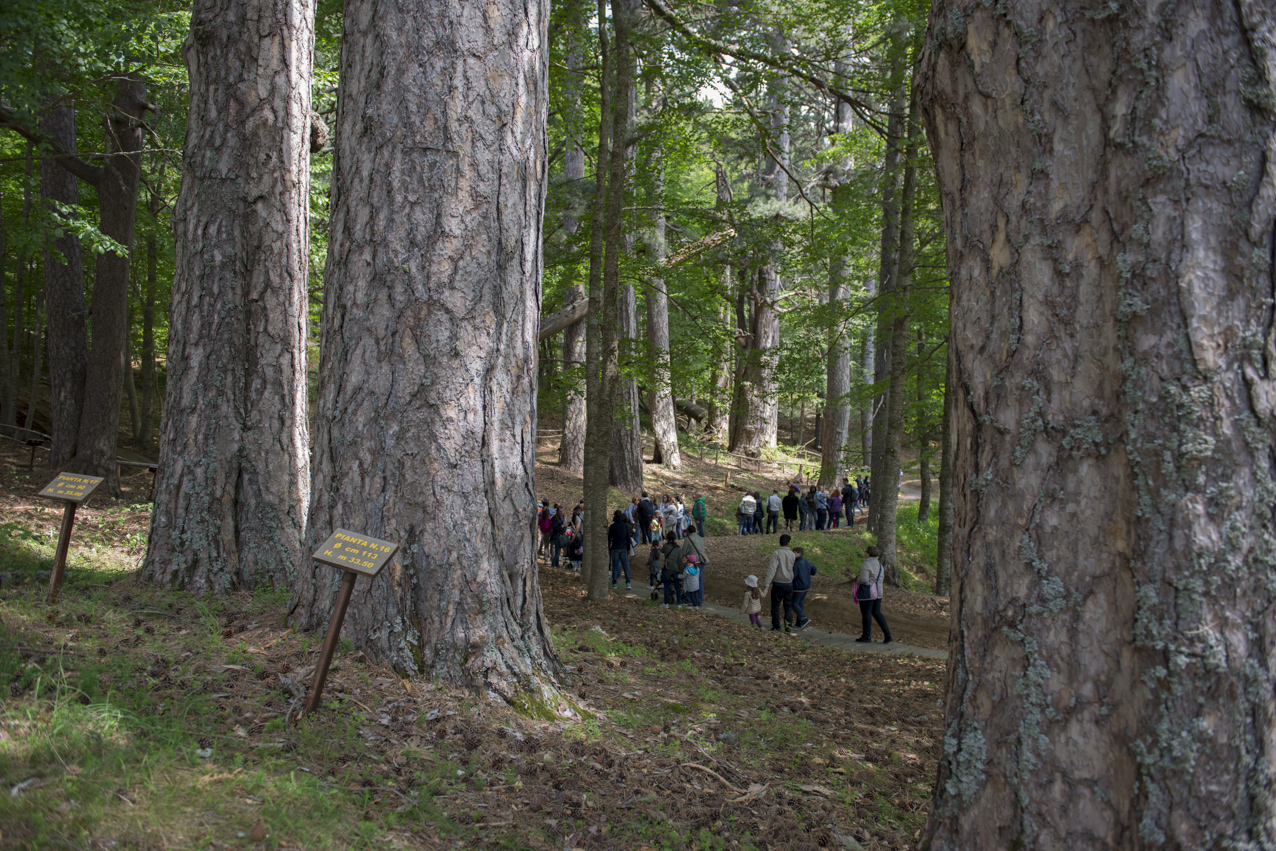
(117, 180)
(600, 342)
(233, 484)
(944, 535)
(425, 422)
(1108, 177)
(68, 336)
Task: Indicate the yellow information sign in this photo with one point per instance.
(71, 487)
(358, 553)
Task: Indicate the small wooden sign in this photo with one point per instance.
(71, 487)
(358, 553)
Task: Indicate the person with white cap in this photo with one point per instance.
(752, 604)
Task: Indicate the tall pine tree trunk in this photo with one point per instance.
(600, 341)
(571, 448)
(425, 422)
(67, 317)
(887, 489)
(887, 277)
(664, 421)
(233, 484)
(837, 379)
(758, 390)
(1108, 176)
(626, 445)
(117, 181)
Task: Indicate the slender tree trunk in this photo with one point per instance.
(717, 426)
(571, 448)
(600, 343)
(944, 542)
(148, 341)
(98, 437)
(130, 391)
(837, 384)
(868, 357)
(888, 273)
(1108, 187)
(6, 406)
(37, 366)
(425, 422)
(626, 446)
(923, 434)
(233, 485)
(758, 394)
(897, 396)
(68, 336)
(664, 421)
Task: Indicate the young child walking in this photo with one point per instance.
(653, 566)
(752, 604)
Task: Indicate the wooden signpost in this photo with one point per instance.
(72, 489)
(357, 555)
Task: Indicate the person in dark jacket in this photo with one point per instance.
(849, 497)
(671, 570)
(790, 503)
(556, 529)
(758, 509)
(646, 511)
(803, 570)
(618, 541)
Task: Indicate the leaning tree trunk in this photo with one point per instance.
(1108, 177)
(67, 318)
(233, 483)
(425, 422)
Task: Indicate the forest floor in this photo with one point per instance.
(134, 717)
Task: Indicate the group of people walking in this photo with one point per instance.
(788, 580)
(676, 560)
(815, 510)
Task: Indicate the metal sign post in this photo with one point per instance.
(72, 489)
(357, 555)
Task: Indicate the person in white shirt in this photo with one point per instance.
(773, 513)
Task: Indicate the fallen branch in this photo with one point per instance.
(712, 773)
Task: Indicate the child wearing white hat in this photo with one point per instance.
(752, 604)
